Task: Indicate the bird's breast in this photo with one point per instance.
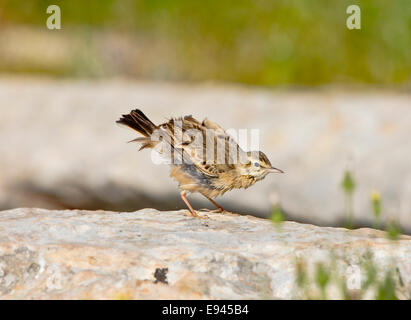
(192, 179)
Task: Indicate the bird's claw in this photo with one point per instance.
(196, 215)
(214, 210)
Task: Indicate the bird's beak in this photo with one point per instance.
(275, 170)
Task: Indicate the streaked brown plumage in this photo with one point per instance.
(190, 159)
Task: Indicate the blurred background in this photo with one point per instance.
(333, 105)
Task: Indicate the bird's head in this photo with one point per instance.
(258, 165)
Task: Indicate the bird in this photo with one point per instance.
(203, 157)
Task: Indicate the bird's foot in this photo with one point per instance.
(215, 210)
(194, 214)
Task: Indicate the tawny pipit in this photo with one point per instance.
(203, 157)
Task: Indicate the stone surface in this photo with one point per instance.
(60, 147)
(148, 254)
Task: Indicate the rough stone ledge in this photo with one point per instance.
(148, 254)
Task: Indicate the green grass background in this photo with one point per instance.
(261, 42)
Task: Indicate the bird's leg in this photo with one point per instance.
(219, 208)
(183, 196)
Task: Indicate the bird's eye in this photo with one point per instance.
(256, 164)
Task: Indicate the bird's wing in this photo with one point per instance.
(212, 150)
(205, 145)
(233, 152)
(212, 125)
(195, 142)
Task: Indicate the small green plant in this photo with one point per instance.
(277, 216)
(376, 208)
(301, 273)
(374, 282)
(348, 186)
(386, 288)
(322, 278)
(370, 272)
(301, 277)
(368, 280)
(393, 230)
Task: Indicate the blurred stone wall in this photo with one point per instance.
(60, 146)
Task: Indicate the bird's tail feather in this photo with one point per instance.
(138, 121)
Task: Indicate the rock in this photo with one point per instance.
(64, 150)
(149, 254)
